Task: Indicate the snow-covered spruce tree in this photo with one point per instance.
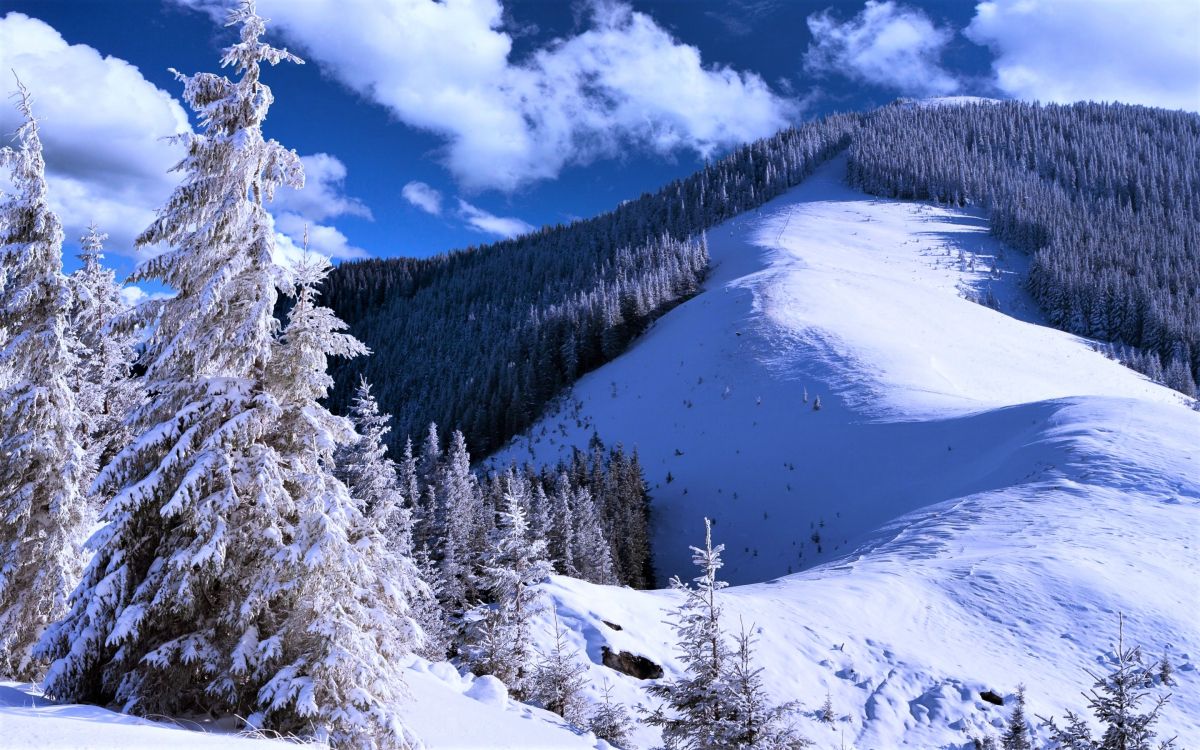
(610, 721)
(327, 623)
(371, 475)
(1016, 735)
(558, 680)
(695, 706)
(107, 339)
(1115, 701)
(592, 553)
(44, 515)
(235, 573)
(501, 641)
(459, 501)
(199, 479)
(751, 720)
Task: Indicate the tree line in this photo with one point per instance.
(1104, 197)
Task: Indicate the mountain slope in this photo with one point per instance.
(987, 492)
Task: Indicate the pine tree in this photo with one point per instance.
(1115, 701)
(610, 721)
(328, 622)
(1016, 736)
(501, 639)
(107, 339)
(371, 476)
(558, 680)
(44, 515)
(752, 721)
(695, 706)
(199, 480)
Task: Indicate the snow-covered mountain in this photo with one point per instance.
(974, 502)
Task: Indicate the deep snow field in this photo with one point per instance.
(976, 500)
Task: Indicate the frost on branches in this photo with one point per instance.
(43, 513)
(721, 702)
(106, 335)
(333, 660)
(235, 573)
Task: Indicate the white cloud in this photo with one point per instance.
(102, 126)
(324, 239)
(488, 223)
(886, 44)
(1099, 50)
(447, 67)
(322, 196)
(423, 197)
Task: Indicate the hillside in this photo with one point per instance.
(988, 492)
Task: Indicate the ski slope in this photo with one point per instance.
(976, 500)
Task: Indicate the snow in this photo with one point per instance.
(28, 721)
(989, 493)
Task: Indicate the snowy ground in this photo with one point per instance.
(976, 500)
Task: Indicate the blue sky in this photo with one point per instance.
(430, 126)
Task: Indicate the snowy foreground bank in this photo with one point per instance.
(974, 502)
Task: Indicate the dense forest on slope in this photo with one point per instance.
(481, 339)
(1105, 197)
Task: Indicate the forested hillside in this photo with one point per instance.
(1106, 197)
(482, 338)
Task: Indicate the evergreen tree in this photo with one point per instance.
(333, 620)
(44, 515)
(751, 720)
(501, 640)
(99, 321)
(695, 706)
(199, 480)
(1016, 736)
(610, 721)
(1116, 702)
(371, 476)
(592, 553)
(558, 680)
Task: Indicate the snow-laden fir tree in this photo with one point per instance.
(333, 621)
(107, 339)
(501, 637)
(1016, 735)
(371, 475)
(558, 680)
(459, 507)
(591, 551)
(44, 515)
(1116, 702)
(199, 479)
(610, 721)
(236, 574)
(694, 706)
(751, 721)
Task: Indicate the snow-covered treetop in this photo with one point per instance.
(221, 239)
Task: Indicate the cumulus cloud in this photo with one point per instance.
(886, 44)
(1099, 50)
(322, 196)
(322, 238)
(447, 67)
(102, 126)
(423, 197)
(488, 223)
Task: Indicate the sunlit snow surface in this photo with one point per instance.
(988, 492)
